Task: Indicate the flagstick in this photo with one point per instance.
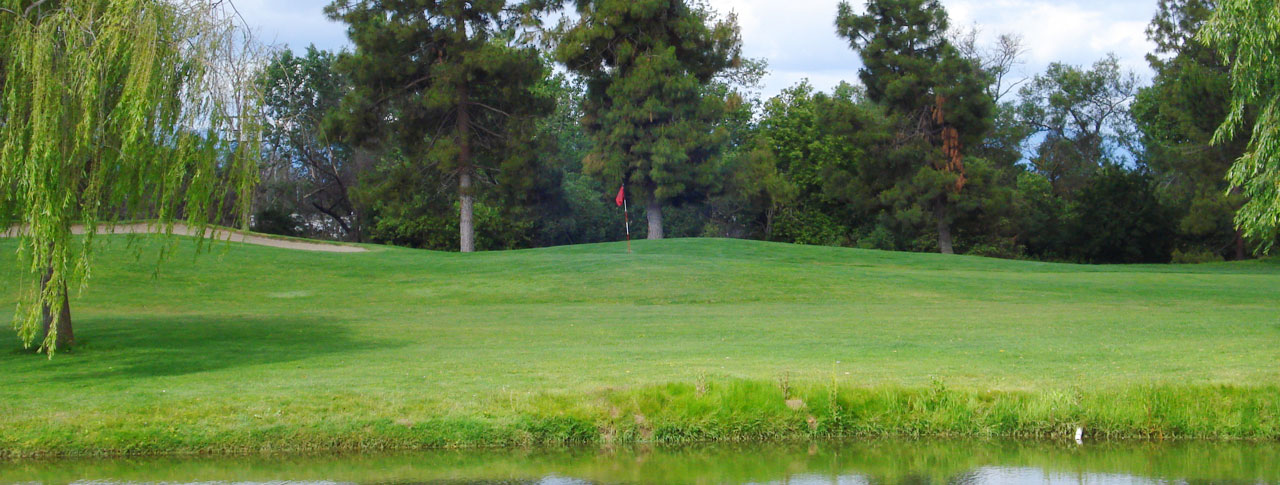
(627, 217)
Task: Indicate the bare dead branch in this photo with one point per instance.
(491, 108)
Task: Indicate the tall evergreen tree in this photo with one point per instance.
(648, 65)
(938, 97)
(447, 82)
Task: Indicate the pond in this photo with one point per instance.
(914, 462)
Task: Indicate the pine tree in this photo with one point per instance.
(938, 97)
(649, 112)
(449, 83)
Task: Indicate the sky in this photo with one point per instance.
(798, 39)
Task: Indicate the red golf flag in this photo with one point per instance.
(621, 195)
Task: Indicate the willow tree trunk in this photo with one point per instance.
(466, 221)
(654, 211)
(944, 228)
(66, 338)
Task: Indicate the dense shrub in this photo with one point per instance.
(1117, 218)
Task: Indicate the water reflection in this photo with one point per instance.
(878, 462)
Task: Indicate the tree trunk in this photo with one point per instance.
(364, 161)
(65, 337)
(654, 211)
(944, 228)
(768, 223)
(1239, 240)
(1240, 245)
(466, 223)
(346, 228)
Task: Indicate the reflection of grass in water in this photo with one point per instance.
(882, 461)
(254, 348)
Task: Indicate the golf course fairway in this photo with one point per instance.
(250, 348)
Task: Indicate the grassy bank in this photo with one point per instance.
(254, 348)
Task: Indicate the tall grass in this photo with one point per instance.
(727, 411)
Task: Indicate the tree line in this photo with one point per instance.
(465, 125)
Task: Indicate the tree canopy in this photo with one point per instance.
(448, 84)
(307, 175)
(1083, 114)
(648, 110)
(1177, 116)
(939, 98)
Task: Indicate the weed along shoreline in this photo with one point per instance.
(725, 411)
(250, 348)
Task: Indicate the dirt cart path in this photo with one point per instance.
(215, 233)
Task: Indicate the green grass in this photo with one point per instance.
(254, 348)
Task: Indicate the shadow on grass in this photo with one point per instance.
(140, 347)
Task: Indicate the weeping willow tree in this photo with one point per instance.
(1247, 34)
(114, 110)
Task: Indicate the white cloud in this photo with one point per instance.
(798, 37)
(297, 23)
(1069, 32)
